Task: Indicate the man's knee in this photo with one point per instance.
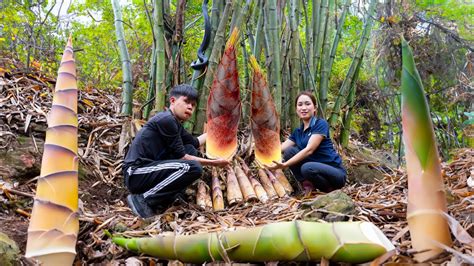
(195, 167)
(290, 152)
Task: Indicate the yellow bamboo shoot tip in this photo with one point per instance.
(254, 64)
(234, 36)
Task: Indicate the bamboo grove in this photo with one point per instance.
(271, 33)
(346, 52)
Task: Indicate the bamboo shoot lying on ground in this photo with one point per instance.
(259, 190)
(280, 190)
(234, 195)
(244, 166)
(54, 223)
(426, 196)
(352, 242)
(224, 105)
(203, 199)
(245, 185)
(267, 184)
(217, 197)
(283, 180)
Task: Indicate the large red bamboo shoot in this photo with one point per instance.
(224, 106)
(264, 118)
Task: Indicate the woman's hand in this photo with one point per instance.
(275, 165)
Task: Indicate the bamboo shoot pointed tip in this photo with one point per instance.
(234, 36)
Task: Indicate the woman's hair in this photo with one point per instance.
(310, 95)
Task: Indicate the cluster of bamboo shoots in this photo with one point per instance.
(241, 186)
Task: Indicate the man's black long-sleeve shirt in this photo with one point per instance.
(161, 138)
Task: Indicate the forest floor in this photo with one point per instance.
(26, 99)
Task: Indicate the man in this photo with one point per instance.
(162, 160)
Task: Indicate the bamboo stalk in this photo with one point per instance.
(217, 197)
(280, 190)
(127, 93)
(234, 195)
(267, 184)
(214, 58)
(294, 61)
(283, 181)
(351, 242)
(159, 33)
(325, 58)
(272, 32)
(245, 185)
(369, 21)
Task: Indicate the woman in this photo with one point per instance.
(309, 151)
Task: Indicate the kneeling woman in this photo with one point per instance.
(309, 151)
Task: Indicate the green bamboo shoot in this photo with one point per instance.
(351, 242)
(426, 196)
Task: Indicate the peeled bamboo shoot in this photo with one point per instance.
(245, 185)
(351, 242)
(280, 190)
(259, 190)
(203, 199)
(234, 195)
(267, 184)
(217, 197)
(283, 180)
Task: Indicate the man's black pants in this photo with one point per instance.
(161, 181)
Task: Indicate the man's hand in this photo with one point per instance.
(275, 165)
(220, 162)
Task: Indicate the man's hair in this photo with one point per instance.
(184, 90)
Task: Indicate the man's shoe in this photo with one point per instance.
(138, 206)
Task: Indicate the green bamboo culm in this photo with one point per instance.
(214, 58)
(127, 93)
(350, 75)
(159, 33)
(352, 242)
